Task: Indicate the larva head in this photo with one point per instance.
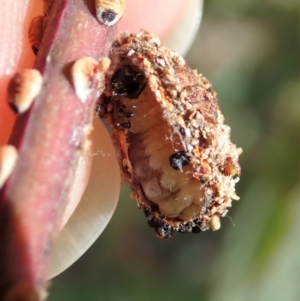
(174, 149)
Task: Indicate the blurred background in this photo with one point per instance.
(250, 52)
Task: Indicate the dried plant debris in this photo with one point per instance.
(174, 149)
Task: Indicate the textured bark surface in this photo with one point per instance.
(50, 138)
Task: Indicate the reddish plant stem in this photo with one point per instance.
(49, 138)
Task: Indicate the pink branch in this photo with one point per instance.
(49, 137)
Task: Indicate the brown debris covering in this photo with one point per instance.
(190, 108)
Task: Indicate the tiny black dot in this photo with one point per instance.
(122, 109)
(126, 125)
(196, 229)
(128, 82)
(147, 212)
(162, 230)
(189, 227)
(182, 131)
(178, 160)
(108, 15)
(128, 114)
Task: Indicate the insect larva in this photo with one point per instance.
(8, 158)
(175, 151)
(87, 73)
(109, 12)
(23, 88)
(35, 33)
